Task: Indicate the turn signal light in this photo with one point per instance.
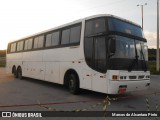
(114, 77)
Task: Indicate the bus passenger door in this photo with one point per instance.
(99, 81)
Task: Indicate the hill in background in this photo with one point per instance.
(2, 58)
(2, 53)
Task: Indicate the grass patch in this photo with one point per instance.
(152, 68)
(2, 63)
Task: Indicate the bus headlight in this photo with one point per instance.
(147, 76)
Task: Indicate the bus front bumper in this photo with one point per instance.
(121, 87)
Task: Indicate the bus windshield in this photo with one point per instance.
(127, 48)
(131, 53)
(124, 27)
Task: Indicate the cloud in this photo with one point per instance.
(151, 39)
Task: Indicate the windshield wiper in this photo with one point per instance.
(144, 61)
(132, 64)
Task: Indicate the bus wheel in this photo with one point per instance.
(15, 72)
(19, 73)
(73, 84)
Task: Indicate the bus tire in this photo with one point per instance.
(14, 72)
(73, 84)
(19, 73)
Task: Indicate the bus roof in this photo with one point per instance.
(113, 16)
(74, 22)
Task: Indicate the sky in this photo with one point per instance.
(21, 18)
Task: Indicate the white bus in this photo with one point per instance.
(102, 53)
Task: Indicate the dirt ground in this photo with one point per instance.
(4, 76)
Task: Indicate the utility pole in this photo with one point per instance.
(142, 12)
(157, 58)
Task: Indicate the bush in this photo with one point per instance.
(2, 64)
(152, 68)
(2, 61)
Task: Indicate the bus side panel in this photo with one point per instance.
(52, 72)
(33, 65)
(14, 59)
(93, 80)
(26, 64)
(52, 63)
(8, 64)
(39, 66)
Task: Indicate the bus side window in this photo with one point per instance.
(35, 43)
(18, 44)
(21, 45)
(30, 42)
(25, 44)
(13, 47)
(88, 28)
(75, 34)
(52, 39)
(55, 38)
(9, 48)
(65, 36)
(40, 41)
(95, 26)
(48, 40)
